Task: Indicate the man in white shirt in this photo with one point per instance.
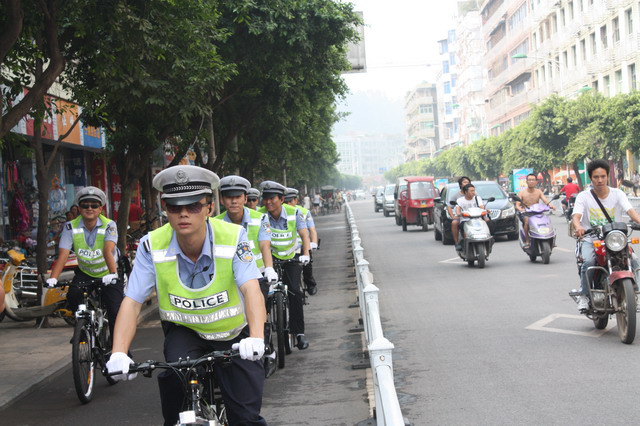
(587, 214)
(469, 200)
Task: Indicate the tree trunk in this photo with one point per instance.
(576, 170)
(131, 167)
(43, 199)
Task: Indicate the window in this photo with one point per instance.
(554, 23)
(595, 85)
(452, 59)
(445, 67)
(522, 48)
(583, 49)
(565, 59)
(444, 46)
(448, 108)
(632, 77)
(563, 22)
(570, 11)
(447, 87)
(607, 85)
(629, 19)
(425, 109)
(594, 47)
(424, 125)
(603, 36)
(580, 8)
(518, 17)
(615, 29)
(453, 80)
(618, 76)
(574, 56)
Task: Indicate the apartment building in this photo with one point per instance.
(368, 155)
(582, 44)
(469, 51)
(448, 123)
(421, 116)
(506, 28)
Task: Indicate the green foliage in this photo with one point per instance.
(558, 131)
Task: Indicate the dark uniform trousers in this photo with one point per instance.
(307, 274)
(292, 279)
(112, 296)
(241, 382)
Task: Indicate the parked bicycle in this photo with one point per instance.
(202, 392)
(91, 342)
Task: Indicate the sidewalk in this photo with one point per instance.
(32, 357)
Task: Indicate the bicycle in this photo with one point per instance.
(204, 399)
(91, 342)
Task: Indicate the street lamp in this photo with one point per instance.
(551, 61)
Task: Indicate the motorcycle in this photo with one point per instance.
(542, 235)
(569, 209)
(612, 282)
(477, 242)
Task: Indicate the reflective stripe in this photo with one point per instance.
(288, 252)
(292, 218)
(77, 230)
(98, 270)
(280, 243)
(252, 244)
(225, 252)
(229, 335)
(255, 222)
(160, 256)
(102, 231)
(95, 261)
(257, 256)
(175, 316)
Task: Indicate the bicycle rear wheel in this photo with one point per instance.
(278, 311)
(83, 361)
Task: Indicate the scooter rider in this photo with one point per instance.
(455, 219)
(529, 196)
(253, 197)
(291, 197)
(190, 261)
(469, 200)
(286, 224)
(93, 239)
(233, 194)
(587, 213)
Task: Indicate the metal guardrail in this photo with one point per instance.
(380, 349)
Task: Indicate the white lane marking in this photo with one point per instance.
(541, 325)
(564, 249)
(452, 260)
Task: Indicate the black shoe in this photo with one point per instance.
(270, 366)
(312, 290)
(303, 343)
(459, 247)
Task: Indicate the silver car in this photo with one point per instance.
(389, 201)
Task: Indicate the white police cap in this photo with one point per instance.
(182, 185)
(270, 187)
(252, 192)
(232, 186)
(290, 194)
(89, 193)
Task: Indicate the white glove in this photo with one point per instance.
(314, 246)
(106, 280)
(249, 347)
(51, 282)
(119, 361)
(270, 274)
(304, 260)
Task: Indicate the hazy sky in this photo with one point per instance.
(400, 33)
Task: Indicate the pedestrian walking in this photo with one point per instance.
(636, 183)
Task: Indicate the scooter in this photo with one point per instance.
(571, 201)
(477, 242)
(542, 235)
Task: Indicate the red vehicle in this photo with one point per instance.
(416, 202)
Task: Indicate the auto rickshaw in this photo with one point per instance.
(330, 203)
(417, 202)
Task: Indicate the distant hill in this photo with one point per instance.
(371, 112)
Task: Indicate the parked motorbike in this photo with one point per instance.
(612, 281)
(477, 242)
(542, 235)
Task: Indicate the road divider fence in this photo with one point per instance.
(387, 406)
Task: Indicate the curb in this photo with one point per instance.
(53, 371)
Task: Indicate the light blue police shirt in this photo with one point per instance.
(281, 222)
(264, 234)
(66, 237)
(194, 275)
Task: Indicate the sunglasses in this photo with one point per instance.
(93, 206)
(252, 200)
(193, 208)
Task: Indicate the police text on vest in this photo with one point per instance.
(202, 303)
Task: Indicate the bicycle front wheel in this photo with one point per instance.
(82, 361)
(280, 325)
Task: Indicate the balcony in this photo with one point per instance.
(499, 112)
(497, 16)
(518, 67)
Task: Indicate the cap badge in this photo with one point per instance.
(181, 177)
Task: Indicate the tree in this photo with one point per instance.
(150, 79)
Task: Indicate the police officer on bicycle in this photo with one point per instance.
(209, 298)
(291, 197)
(93, 238)
(287, 224)
(253, 197)
(233, 194)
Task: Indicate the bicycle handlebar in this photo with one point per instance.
(147, 367)
(82, 284)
